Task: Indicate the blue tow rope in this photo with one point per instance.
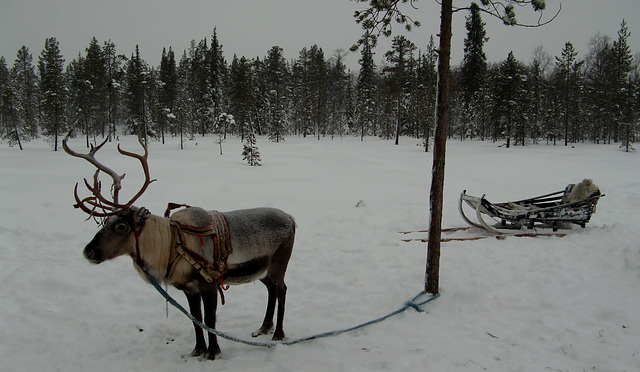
(409, 304)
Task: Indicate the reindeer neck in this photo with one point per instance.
(153, 246)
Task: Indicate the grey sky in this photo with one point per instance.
(250, 27)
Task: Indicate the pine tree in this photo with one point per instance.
(183, 103)
(399, 56)
(259, 110)
(316, 68)
(427, 79)
(114, 76)
(536, 93)
(217, 77)
(136, 79)
(474, 64)
(472, 71)
(200, 88)
(25, 87)
(95, 76)
(9, 128)
(4, 89)
(240, 95)
(366, 91)
(598, 88)
(337, 97)
(53, 91)
(168, 80)
(510, 98)
(568, 82)
(250, 151)
(622, 91)
(276, 78)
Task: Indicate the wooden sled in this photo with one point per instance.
(549, 210)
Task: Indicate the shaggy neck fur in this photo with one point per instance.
(155, 247)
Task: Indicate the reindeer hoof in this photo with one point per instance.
(279, 337)
(211, 355)
(262, 331)
(196, 353)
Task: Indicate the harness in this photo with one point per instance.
(218, 230)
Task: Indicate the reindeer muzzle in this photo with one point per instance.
(93, 253)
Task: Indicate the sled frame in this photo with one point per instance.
(547, 210)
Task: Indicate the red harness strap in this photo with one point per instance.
(219, 232)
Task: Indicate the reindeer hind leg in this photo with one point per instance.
(267, 323)
(276, 273)
(281, 292)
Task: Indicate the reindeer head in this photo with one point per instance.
(121, 222)
(117, 236)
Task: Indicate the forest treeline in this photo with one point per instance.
(563, 99)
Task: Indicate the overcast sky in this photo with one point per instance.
(251, 27)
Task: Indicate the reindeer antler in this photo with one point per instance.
(92, 204)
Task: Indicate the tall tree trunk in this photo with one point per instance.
(399, 111)
(15, 128)
(432, 277)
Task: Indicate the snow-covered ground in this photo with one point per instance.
(518, 304)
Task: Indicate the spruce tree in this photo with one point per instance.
(250, 151)
(427, 79)
(399, 58)
(200, 88)
(26, 100)
(473, 71)
(95, 76)
(316, 68)
(114, 76)
(9, 128)
(537, 81)
(474, 64)
(167, 94)
(276, 80)
(510, 98)
(136, 81)
(53, 91)
(366, 91)
(598, 91)
(183, 102)
(337, 97)
(622, 91)
(217, 77)
(568, 81)
(4, 98)
(240, 95)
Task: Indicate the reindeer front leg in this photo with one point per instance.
(196, 311)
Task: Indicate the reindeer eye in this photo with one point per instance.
(120, 227)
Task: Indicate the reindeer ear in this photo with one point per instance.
(141, 215)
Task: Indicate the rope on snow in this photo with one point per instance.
(413, 303)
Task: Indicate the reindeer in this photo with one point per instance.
(197, 251)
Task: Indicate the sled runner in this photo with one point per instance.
(573, 205)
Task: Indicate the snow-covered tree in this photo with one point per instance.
(25, 104)
(399, 57)
(568, 82)
(276, 80)
(240, 95)
(114, 75)
(167, 94)
(250, 151)
(52, 88)
(366, 91)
